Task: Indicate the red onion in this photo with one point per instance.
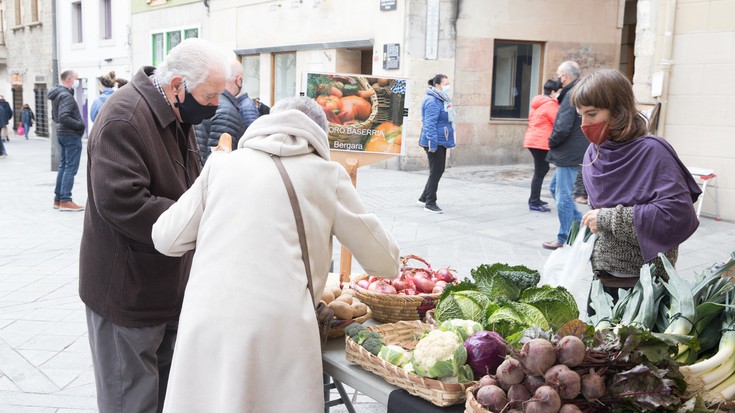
(423, 284)
(364, 283)
(445, 274)
(382, 286)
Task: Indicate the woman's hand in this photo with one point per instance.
(590, 219)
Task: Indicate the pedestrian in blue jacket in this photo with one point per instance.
(437, 135)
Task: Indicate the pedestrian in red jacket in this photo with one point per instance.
(540, 124)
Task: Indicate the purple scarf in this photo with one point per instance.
(645, 173)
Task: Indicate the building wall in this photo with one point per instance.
(146, 19)
(94, 56)
(700, 107)
(29, 53)
(588, 32)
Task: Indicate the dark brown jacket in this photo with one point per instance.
(139, 157)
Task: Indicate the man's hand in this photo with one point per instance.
(590, 219)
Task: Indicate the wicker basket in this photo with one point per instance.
(383, 114)
(339, 132)
(405, 334)
(389, 308)
(338, 327)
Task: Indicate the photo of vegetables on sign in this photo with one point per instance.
(365, 113)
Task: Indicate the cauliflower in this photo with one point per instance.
(463, 328)
(439, 354)
(395, 355)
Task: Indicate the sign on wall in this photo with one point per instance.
(391, 56)
(365, 113)
(388, 5)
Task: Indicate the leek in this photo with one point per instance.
(713, 371)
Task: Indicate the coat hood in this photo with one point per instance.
(287, 133)
(57, 91)
(540, 100)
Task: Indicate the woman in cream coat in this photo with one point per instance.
(248, 338)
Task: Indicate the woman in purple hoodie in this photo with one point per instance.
(641, 195)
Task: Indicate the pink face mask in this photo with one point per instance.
(596, 133)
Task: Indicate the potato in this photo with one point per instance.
(359, 309)
(346, 298)
(336, 291)
(341, 309)
(327, 296)
(348, 291)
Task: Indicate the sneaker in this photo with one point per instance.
(581, 200)
(70, 206)
(420, 202)
(5, 155)
(552, 245)
(433, 207)
(56, 204)
(538, 208)
(544, 203)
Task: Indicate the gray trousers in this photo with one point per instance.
(131, 365)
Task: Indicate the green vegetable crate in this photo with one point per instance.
(390, 308)
(406, 334)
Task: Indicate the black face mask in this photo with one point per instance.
(193, 112)
(558, 84)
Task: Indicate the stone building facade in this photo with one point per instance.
(29, 70)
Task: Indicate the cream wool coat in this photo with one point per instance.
(248, 339)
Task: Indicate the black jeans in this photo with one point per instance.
(437, 163)
(540, 169)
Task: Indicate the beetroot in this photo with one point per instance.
(487, 380)
(518, 393)
(509, 373)
(570, 408)
(570, 351)
(593, 386)
(537, 356)
(492, 397)
(532, 383)
(565, 381)
(544, 400)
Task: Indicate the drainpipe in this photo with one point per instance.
(55, 148)
(666, 63)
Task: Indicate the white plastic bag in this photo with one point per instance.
(570, 267)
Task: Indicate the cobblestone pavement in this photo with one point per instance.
(45, 363)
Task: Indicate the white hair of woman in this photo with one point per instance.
(188, 59)
(306, 105)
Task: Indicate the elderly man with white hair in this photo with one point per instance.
(248, 338)
(227, 119)
(141, 157)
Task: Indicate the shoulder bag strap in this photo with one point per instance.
(299, 222)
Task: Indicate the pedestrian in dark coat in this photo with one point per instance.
(141, 157)
(5, 114)
(227, 119)
(69, 131)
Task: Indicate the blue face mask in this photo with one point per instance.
(446, 89)
(191, 111)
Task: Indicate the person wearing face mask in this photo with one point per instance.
(142, 156)
(227, 118)
(69, 130)
(642, 196)
(566, 148)
(437, 135)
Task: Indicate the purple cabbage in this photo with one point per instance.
(485, 351)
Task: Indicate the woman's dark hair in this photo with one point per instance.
(609, 89)
(550, 86)
(436, 80)
(121, 82)
(107, 80)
